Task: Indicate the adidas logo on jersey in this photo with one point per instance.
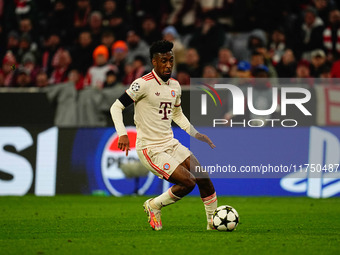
(157, 93)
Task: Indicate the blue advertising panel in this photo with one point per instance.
(292, 161)
(300, 161)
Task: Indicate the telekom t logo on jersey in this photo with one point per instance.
(165, 109)
(238, 100)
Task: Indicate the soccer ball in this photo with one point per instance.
(225, 218)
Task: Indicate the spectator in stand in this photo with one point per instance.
(117, 26)
(325, 71)
(318, 60)
(41, 79)
(27, 31)
(303, 69)
(81, 14)
(59, 20)
(257, 40)
(7, 73)
(137, 46)
(26, 28)
(95, 24)
(12, 44)
(331, 35)
(136, 70)
(210, 71)
(150, 32)
(193, 65)
(242, 70)
(179, 50)
(277, 45)
(323, 7)
(23, 78)
(29, 63)
(26, 47)
(111, 79)
(128, 74)
(303, 77)
(61, 64)
(182, 15)
(119, 57)
(225, 61)
(325, 78)
(75, 76)
(311, 33)
(109, 10)
(51, 45)
(20, 30)
(96, 74)
(108, 39)
(208, 38)
(138, 10)
(183, 75)
(82, 52)
(261, 57)
(286, 68)
(260, 71)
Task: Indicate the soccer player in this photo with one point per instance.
(157, 102)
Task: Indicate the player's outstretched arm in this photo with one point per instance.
(182, 121)
(116, 111)
(206, 139)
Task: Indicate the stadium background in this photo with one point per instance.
(54, 97)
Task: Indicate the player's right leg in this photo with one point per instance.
(184, 183)
(165, 166)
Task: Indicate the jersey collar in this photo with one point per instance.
(159, 80)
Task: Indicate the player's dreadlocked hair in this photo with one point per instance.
(162, 46)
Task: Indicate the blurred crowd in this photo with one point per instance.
(102, 43)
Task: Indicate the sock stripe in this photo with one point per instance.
(172, 195)
(210, 202)
(204, 199)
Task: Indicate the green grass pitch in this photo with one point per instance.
(110, 225)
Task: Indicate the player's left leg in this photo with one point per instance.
(205, 186)
(163, 164)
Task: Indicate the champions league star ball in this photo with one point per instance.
(225, 218)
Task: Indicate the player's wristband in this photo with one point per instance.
(192, 132)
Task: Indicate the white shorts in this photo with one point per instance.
(163, 160)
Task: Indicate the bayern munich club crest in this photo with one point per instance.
(112, 158)
(173, 93)
(166, 166)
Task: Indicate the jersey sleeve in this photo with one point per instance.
(137, 90)
(178, 98)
